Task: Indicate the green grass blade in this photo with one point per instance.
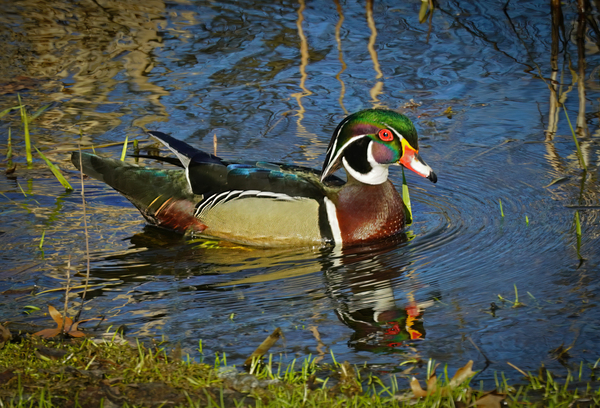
(124, 148)
(26, 132)
(406, 199)
(9, 149)
(501, 210)
(5, 111)
(578, 237)
(55, 171)
(42, 240)
(579, 154)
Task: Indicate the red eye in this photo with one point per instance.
(385, 135)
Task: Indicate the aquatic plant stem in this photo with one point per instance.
(579, 154)
(501, 211)
(406, 198)
(124, 152)
(87, 240)
(9, 150)
(578, 235)
(26, 132)
(55, 170)
(66, 307)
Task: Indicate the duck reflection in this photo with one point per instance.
(363, 292)
(369, 287)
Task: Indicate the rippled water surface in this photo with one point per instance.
(271, 81)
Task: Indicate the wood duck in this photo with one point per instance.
(272, 204)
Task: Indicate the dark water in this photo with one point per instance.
(272, 81)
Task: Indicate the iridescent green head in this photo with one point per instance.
(367, 142)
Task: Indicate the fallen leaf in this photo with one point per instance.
(69, 328)
(264, 346)
(432, 384)
(492, 399)
(56, 316)
(462, 374)
(415, 386)
(47, 333)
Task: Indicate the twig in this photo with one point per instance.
(62, 329)
(518, 369)
(87, 241)
(487, 360)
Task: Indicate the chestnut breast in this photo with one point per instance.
(368, 212)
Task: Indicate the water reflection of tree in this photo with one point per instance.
(560, 88)
(82, 48)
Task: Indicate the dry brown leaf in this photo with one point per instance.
(75, 333)
(47, 333)
(415, 386)
(462, 374)
(56, 316)
(264, 346)
(69, 327)
(432, 384)
(490, 400)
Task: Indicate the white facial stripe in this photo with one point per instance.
(341, 126)
(333, 221)
(333, 160)
(394, 130)
(378, 173)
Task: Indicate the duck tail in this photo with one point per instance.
(163, 196)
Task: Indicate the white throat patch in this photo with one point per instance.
(378, 173)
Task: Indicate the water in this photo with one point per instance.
(272, 81)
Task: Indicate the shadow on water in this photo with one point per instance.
(494, 90)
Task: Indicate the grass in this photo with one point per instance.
(25, 122)
(124, 152)
(113, 372)
(516, 302)
(56, 171)
(578, 235)
(579, 154)
(406, 199)
(9, 149)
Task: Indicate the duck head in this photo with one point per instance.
(366, 143)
